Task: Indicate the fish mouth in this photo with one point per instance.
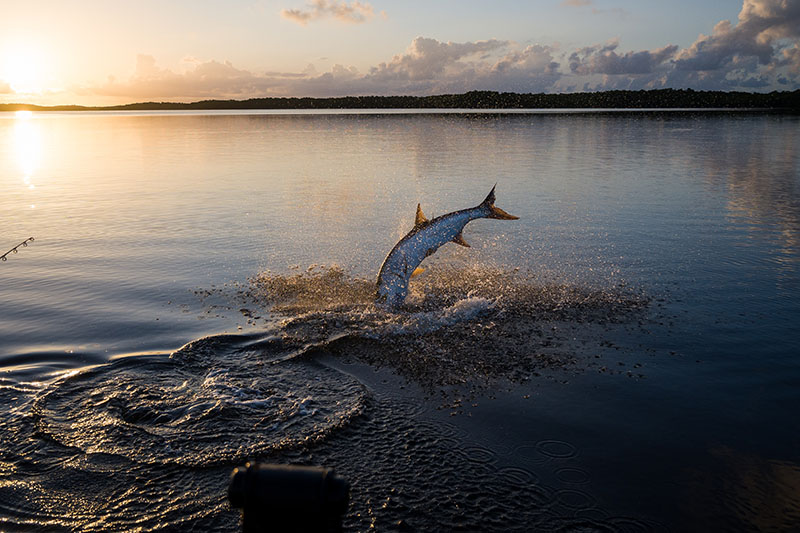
(500, 214)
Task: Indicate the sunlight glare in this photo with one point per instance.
(27, 145)
(22, 68)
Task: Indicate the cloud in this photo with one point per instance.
(603, 59)
(761, 52)
(533, 69)
(200, 80)
(355, 12)
(596, 11)
(431, 66)
(601, 67)
(791, 59)
(428, 58)
(427, 66)
(759, 48)
(5, 88)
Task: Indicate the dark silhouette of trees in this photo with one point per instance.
(786, 101)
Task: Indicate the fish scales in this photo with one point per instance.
(422, 241)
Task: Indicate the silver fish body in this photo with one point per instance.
(422, 241)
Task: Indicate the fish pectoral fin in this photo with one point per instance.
(459, 239)
(420, 218)
(417, 271)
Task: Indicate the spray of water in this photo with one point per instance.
(459, 324)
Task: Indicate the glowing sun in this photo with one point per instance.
(22, 69)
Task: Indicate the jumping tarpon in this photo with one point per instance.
(426, 237)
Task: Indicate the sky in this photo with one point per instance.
(100, 52)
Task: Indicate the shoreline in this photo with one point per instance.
(656, 99)
(431, 112)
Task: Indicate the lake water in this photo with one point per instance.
(624, 357)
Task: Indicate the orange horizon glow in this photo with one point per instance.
(96, 53)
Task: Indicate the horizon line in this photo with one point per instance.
(475, 99)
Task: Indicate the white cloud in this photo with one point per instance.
(761, 52)
(428, 58)
(5, 88)
(601, 67)
(756, 51)
(603, 59)
(428, 66)
(210, 79)
(355, 12)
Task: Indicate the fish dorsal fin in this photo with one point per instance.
(420, 219)
(459, 239)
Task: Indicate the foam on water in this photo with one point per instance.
(464, 310)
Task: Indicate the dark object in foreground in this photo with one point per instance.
(15, 249)
(288, 498)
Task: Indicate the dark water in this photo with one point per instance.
(622, 358)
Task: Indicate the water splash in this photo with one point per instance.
(322, 288)
(316, 289)
(459, 324)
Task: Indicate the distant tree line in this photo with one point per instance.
(652, 99)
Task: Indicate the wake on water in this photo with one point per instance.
(185, 418)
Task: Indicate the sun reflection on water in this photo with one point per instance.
(27, 146)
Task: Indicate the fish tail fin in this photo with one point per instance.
(495, 212)
(489, 201)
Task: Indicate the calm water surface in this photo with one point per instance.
(623, 357)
